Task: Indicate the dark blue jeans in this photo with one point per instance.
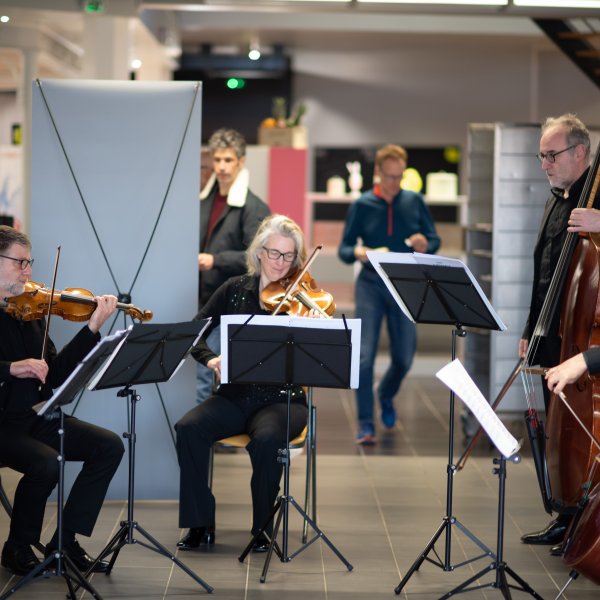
(373, 303)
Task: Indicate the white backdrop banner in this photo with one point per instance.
(115, 181)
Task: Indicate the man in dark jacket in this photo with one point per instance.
(29, 444)
(229, 217)
(565, 157)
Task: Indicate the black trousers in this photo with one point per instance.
(220, 417)
(31, 447)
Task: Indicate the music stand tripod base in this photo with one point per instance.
(498, 566)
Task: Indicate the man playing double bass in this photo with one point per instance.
(564, 153)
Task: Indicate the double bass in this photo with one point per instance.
(564, 457)
(571, 455)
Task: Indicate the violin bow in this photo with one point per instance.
(45, 344)
(292, 288)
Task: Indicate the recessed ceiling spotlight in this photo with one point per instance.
(455, 2)
(4, 19)
(254, 51)
(558, 3)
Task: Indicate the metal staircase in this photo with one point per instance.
(579, 39)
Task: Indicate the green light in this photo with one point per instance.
(93, 6)
(235, 83)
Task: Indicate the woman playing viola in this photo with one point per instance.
(257, 410)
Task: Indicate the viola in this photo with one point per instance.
(72, 304)
(304, 297)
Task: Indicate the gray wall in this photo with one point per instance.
(424, 91)
(123, 139)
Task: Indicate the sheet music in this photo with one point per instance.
(455, 376)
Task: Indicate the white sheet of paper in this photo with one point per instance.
(455, 376)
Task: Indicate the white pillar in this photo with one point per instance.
(106, 47)
(29, 73)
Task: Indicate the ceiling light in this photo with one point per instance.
(136, 63)
(4, 19)
(455, 2)
(558, 3)
(254, 51)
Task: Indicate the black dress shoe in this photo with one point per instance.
(19, 559)
(196, 537)
(80, 558)
(553, 534)
(261, 544)
(556, 550)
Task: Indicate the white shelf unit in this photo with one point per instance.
(507, 191)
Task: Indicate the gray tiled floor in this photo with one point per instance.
(379, 506)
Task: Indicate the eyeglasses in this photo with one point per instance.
(551, 156)
(23, 262)
(391, 177)
(276, 255)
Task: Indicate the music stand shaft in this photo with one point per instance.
(150, 354)
(449, 519)
(125, 534)
(281, 515)
(499, 566)
(284, 351)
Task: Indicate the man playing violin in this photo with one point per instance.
(257, 410)
(29, 444)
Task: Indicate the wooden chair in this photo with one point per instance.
(8, 508)
(307, 437)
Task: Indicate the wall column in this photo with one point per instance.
(106, 47)
(28, 74)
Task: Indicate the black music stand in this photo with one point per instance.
(150, 354)
(284, 351)
(458, 380)
(439, 290)
(58, 563)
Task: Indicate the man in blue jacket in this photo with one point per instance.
(396, 220)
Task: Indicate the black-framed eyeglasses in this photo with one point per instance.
(551, 156)
(276, 255)
(23, 262)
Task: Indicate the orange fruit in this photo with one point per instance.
(268, 122)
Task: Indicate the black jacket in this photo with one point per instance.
(23, 339)
(231, 235)
(549, 346)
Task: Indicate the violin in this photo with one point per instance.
(72, 304)
(304, 297)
